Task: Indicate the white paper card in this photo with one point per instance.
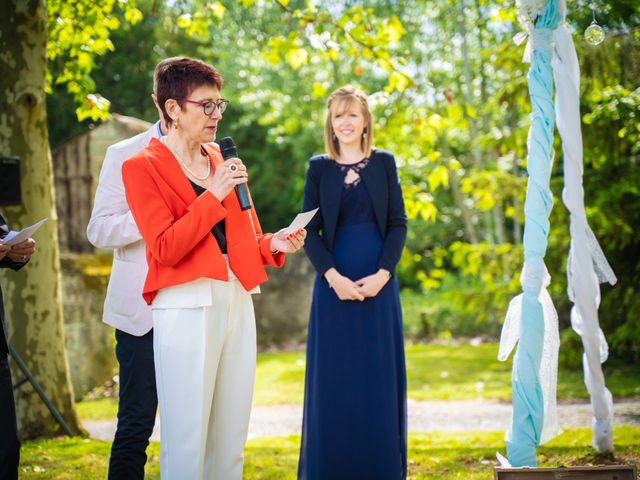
(301, 220)
(13, 238)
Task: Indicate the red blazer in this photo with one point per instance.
(176, 225)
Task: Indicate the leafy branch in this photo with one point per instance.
(390, 30)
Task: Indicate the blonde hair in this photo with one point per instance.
(346, 96)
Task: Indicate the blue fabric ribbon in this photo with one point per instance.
(528, 404)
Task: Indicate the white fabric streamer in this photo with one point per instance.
(549, 361)
(600, 263)
(586, 265)
(502, 460)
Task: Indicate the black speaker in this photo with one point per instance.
(10, 193)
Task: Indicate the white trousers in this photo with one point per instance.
(205, 360)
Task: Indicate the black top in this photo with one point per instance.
(355, 205)
(218, 230)
(356, 167)
(323, 188)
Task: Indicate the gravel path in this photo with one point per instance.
(440, 416)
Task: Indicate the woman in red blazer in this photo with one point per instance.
(205, 257)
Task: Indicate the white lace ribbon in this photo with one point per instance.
(548, 371)
(586, 264)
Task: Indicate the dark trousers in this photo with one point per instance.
(9, 443)
(137, 406)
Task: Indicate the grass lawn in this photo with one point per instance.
(435, 372)
(446, 456)
(438, 372)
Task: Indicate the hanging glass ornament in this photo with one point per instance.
(594, 34)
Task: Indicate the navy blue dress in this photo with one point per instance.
(354, 425)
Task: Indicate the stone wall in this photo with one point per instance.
(90, 343)
(76, 170)
(282, 309)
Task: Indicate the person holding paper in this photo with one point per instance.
(354, 423)
(205, 257)
(14, 257)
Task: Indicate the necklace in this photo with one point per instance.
(184, 165)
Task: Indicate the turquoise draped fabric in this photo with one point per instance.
(528, 406)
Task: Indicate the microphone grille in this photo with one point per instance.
(227, 148)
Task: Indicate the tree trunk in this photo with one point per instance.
(467, 216)
(33, 295)
(467, 93)
(498, 213)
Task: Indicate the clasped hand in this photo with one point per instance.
(20, 252)
(366, 287)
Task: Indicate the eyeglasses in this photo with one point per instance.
(209, 107)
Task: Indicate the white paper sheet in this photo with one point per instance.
(13, 237)
(301, 220)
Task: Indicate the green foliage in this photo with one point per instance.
(457, 307)
(448, 92)
(484, 132)
(124, 74)
(332, 34)
(78, 32)
(570, 355)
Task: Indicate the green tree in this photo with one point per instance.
(448, 90)
(124, 73)
(33, 295)
(68, 35)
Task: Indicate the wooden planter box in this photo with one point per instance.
(614, 472)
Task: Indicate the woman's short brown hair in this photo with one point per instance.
(343, 98)
(176, 77)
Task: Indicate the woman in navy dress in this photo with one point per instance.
(354, 425)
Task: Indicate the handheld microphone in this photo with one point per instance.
(228, 150)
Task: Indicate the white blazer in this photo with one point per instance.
(112, 226)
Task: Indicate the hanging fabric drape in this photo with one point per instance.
(587, 266)
(531, 319)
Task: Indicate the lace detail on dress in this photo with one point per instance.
(355, 168)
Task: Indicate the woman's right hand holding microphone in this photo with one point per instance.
(226, 176)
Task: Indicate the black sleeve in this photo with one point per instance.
(6, 262)
(396, 233)
(315, 248)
